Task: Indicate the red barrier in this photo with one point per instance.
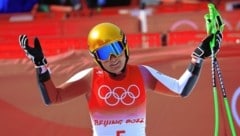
(195, 37)
(32, 28)
(60, 44)
(181, 7)
(231, 37)
(185, 38)
(144, 40)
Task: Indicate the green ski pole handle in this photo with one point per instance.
(214, 22)
(216, 19)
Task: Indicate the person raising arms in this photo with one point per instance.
(115, 90)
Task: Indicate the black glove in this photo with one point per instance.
(34, 53)
(204, 50)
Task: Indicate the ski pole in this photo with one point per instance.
(214, 23)
(209, 27)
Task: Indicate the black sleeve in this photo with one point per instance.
(195, 69)
(41, 78)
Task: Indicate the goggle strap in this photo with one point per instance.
(124, 40)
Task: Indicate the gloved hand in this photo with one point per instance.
(204, 50)
(34, 53)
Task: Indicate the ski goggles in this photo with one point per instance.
(115, 48)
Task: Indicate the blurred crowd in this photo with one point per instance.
(15, 6)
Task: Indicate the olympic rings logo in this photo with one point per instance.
(117, 95)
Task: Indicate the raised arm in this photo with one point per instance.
(201, 52)
(51, 93)
(185, 84)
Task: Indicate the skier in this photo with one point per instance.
(115, 90)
